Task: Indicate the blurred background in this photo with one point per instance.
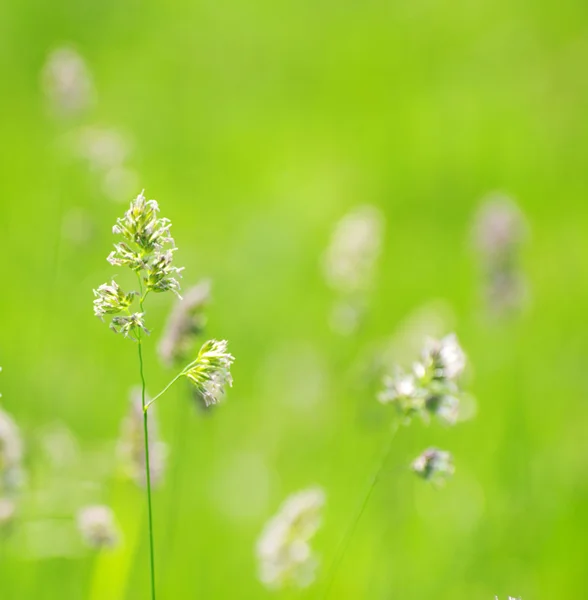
(259, 127)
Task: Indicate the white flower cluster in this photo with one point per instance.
(434, 465)
(350, 261)
(98, 527)
(283, 549)
(131, 448)
(499, 232)
(147, 248)
(431, 387)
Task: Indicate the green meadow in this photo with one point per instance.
(258, 126)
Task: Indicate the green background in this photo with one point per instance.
(257, 125)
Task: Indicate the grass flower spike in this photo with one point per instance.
(147, 249)
(434, 465)
(211, 371)
(111, 300)
(11, 469)
(500, 231)
(97, 527)
(283, 549)
(432, 387)
(185, 324)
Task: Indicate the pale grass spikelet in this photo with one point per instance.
(284, 554)
(106, 152)
(354, 249)
(432, 386)
(186, 322)
(129, 325)
(98, 527)
(101, 148)
(349, 265)
(11, 468)
(210, 373)
(131, 448)
(142, 226)
(110, 299)
(143, 250)
(434, 465)
(7, 512)
(444, 357)
(11, 455)
(67, 82)
(499, 232)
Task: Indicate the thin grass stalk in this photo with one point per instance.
(365, 498)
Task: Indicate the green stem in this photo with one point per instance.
(361, 508)
(147, 470)
(146, 406)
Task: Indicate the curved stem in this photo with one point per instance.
(147, 470)
(359, 513)
(180, 374)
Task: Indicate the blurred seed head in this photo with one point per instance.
(106, 151)
(67, 83)
(444, 358)
(349, 264)
(284, 553)
(499, 232)
(102, 148)
(186, 322)
(11, 454)
(210, 373)
(350, 260)
(98, 527)
(7, 512)
(499, 228)
(434, 465)
(432, 386)
(131, 447)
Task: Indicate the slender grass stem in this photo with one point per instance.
(359, 512)
(147, 471)
(146, 406)
(146, 440)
